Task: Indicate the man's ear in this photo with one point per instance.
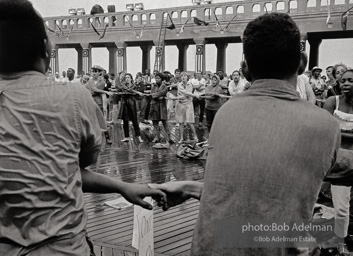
(303, 62)
(46, 52)
(246, 71)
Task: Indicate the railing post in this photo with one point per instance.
(302, 6)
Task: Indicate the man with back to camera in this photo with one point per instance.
(281, 148)
(50, 132)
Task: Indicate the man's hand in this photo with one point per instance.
(178, 192)
(135, 193)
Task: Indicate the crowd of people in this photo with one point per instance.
(180, 99)
(270, 147)
(184, 98)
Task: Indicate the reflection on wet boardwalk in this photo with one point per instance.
(111, 229)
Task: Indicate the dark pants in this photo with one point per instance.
(133, 118)
(210, 114)
(140, 112)
(145, 107)
(199, 108)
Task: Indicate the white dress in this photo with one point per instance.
(184, 109)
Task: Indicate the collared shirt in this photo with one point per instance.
(48, 131)
(268, 153)
(236, 88)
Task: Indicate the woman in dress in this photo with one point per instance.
(184, 109)
(158, 107)
(128, 111)
(341, 106)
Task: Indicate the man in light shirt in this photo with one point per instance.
(71, 76)
(303, 86)
(199, 86)
(237, 84)
(223, 84)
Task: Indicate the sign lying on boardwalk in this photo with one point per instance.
(142, 237)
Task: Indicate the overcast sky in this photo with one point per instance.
(331, 51)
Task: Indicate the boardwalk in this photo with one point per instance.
(111, 229)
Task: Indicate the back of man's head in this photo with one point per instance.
(271, 45)
(22, 34)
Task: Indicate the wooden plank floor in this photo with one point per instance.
(111, 229)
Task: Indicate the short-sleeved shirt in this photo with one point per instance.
(48, 131)
(268, 153)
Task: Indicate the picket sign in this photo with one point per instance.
(142, 236)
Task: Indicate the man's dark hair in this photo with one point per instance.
(329, 67)
(22, 32)
(271, 45)
(161, 75)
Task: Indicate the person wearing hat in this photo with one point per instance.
(318, 85)
(96, 86)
